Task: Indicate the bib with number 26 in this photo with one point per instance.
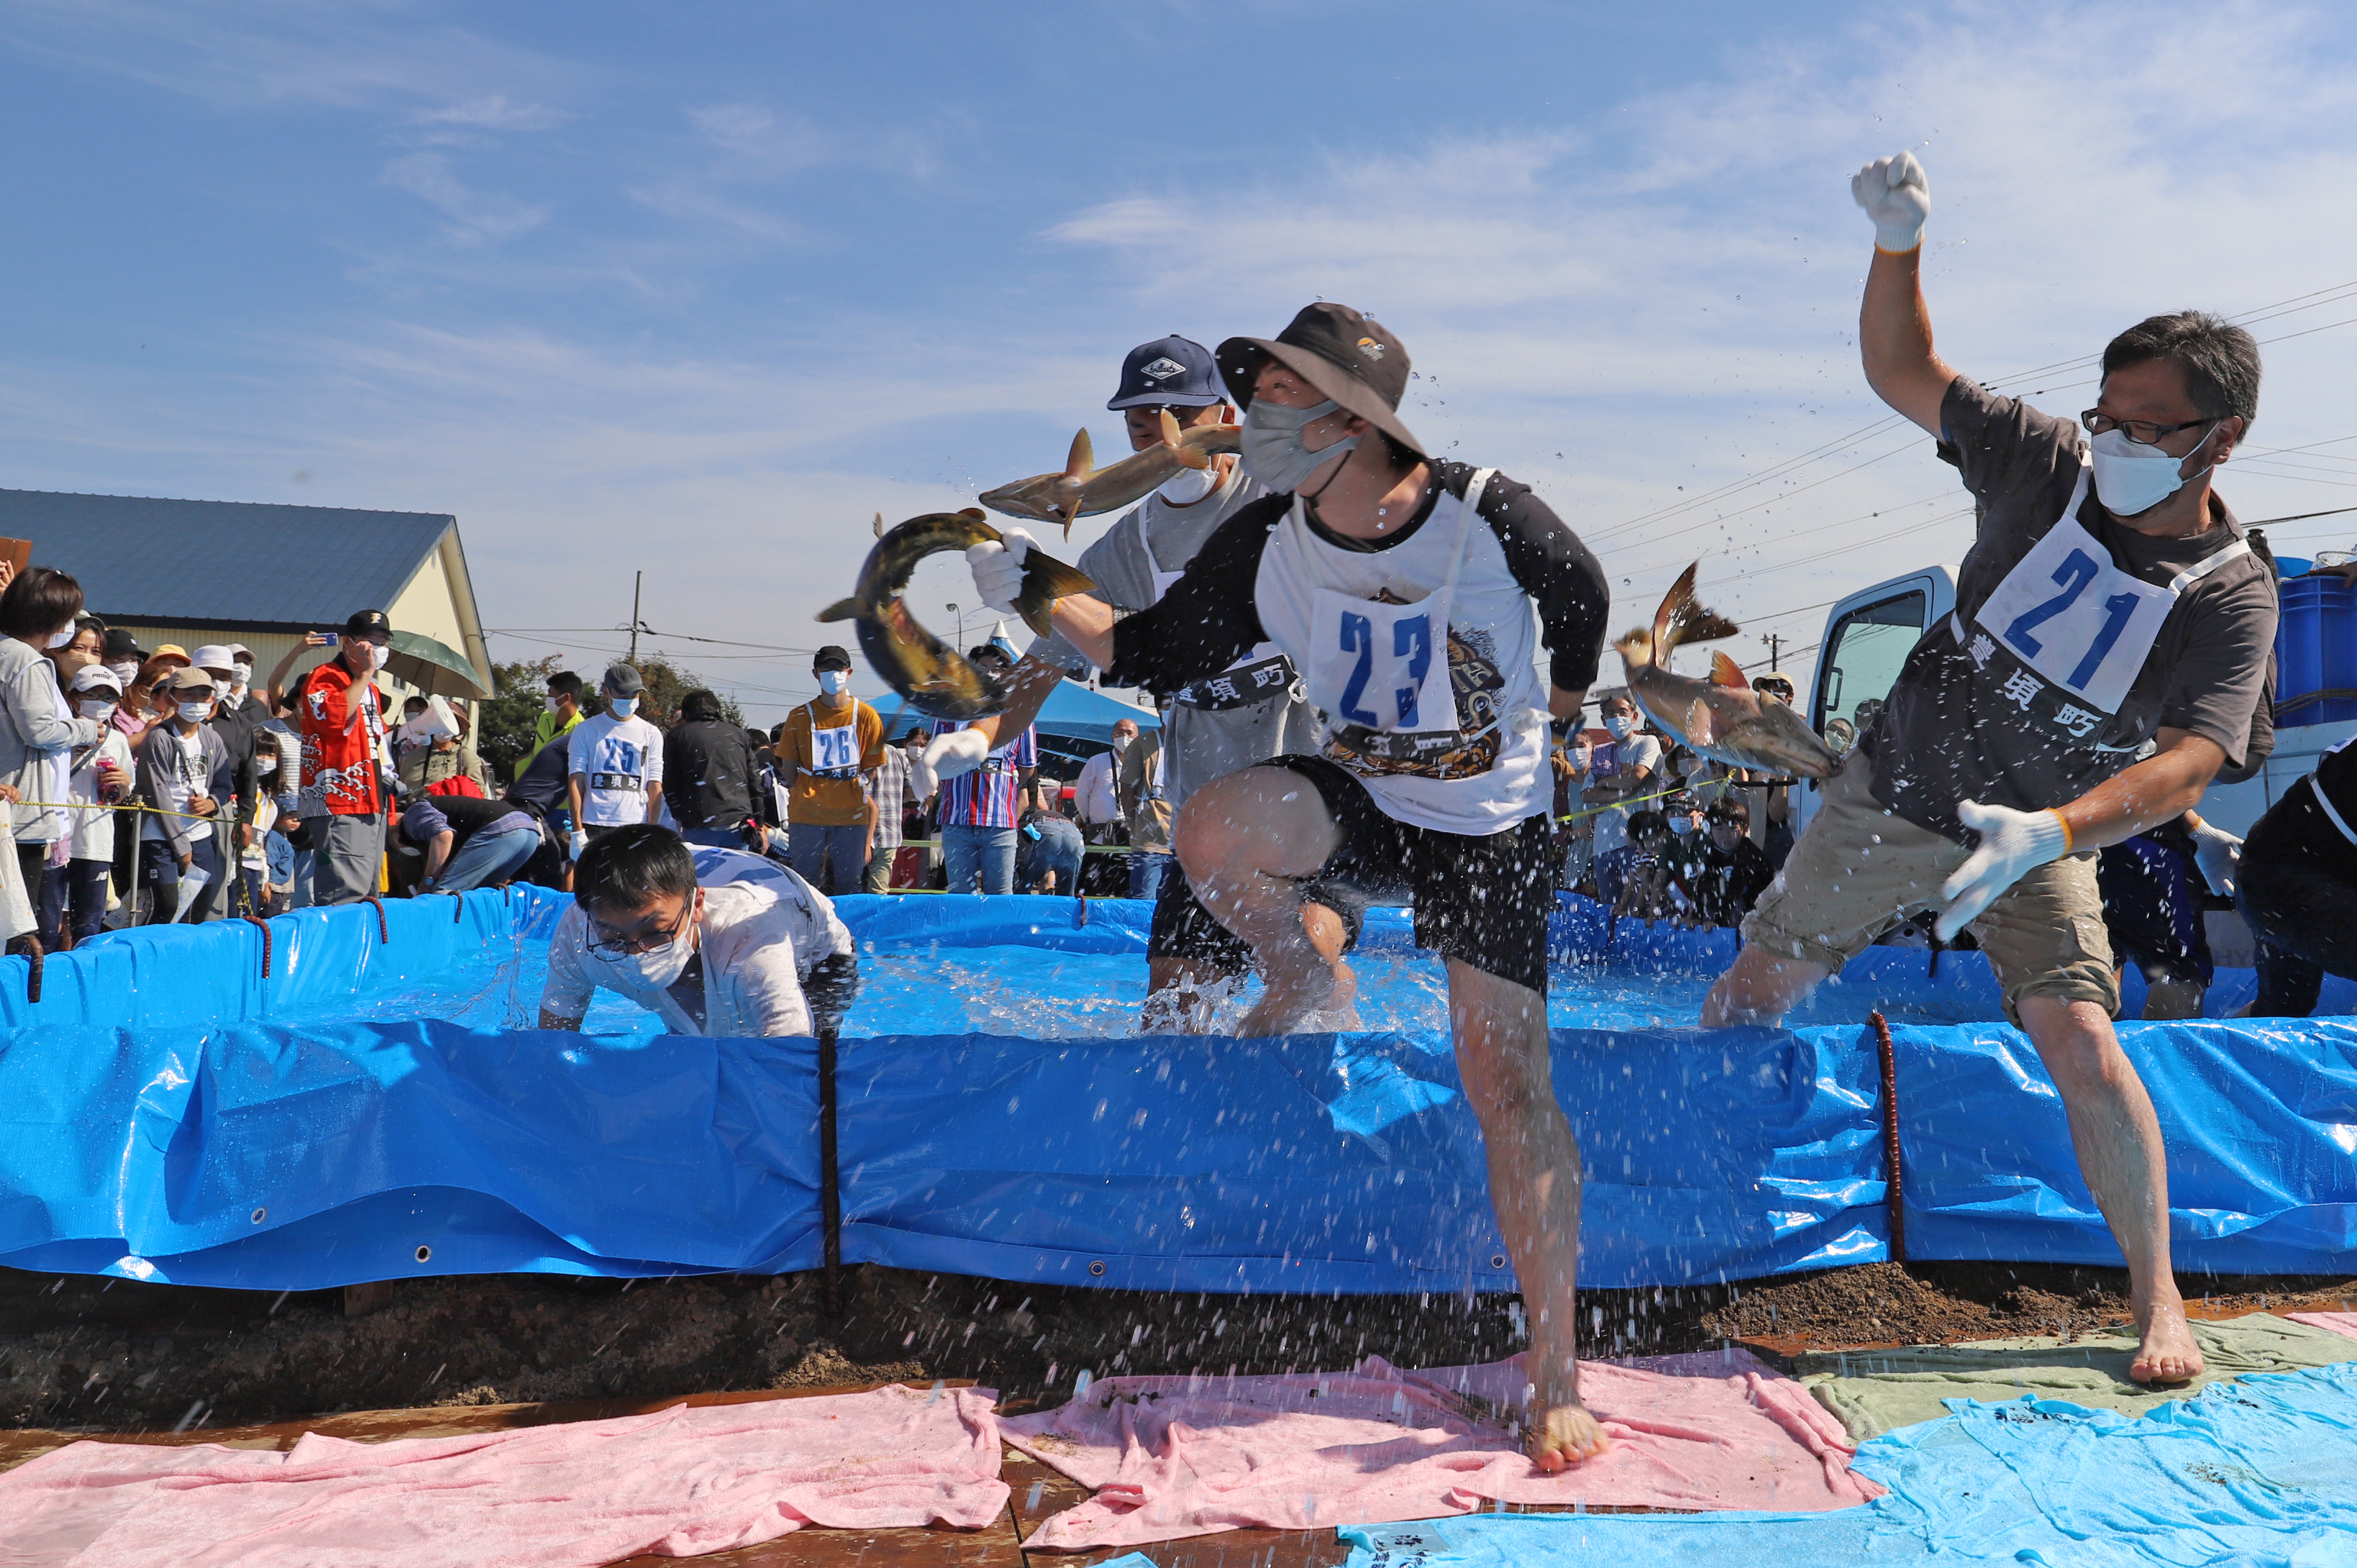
(2077, 619)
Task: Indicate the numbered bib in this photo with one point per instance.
(834, 750)
(2078, 620)
(1384, 668)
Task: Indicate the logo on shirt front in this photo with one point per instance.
(1162, 370)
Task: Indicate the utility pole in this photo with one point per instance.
(961, 631)
(1775, 650)
(639, 581)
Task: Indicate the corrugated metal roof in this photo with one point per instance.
(139, 558)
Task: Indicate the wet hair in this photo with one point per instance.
(1648, 824)
(631, 867)
(564, 684)
(38, 601)
(2221, 361)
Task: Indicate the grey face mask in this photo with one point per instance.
(1272, 452)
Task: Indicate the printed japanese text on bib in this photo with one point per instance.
(1263, 673)
(835, 751)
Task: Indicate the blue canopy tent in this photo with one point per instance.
(1072, 713)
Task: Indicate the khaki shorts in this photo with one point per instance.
(1860, 870)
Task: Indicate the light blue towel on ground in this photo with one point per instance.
(2261, 1472)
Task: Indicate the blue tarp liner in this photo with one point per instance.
(171, 1114)
(2253, 1472)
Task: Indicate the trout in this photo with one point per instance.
(937, 680)
(1721, 718)
(1079, 492)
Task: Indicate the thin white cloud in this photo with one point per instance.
(477, 218)
(493, 111)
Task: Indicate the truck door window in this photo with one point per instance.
(1864, 654)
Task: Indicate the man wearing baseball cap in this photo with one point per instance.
(830, 744)
(1245, 714)
(1402, 589)
(615, 762)
(340, 715)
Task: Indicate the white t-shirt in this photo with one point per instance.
(763, 929)
(1618, 759)
(188, 775)
(617, 759)
(90, 833)
(1096, 794)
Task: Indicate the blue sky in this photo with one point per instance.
(699, 289)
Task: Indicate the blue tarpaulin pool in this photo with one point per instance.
(378, 1107)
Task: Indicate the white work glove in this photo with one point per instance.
(958, 753)
(997, 567)
(575, 841)
(2013, 844)
(1898, 197)
(2219, 854)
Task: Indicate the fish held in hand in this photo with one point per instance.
(1721, 718)
(1083, 491)
(937, 680)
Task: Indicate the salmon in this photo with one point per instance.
(1721, 718)
(937, 680)
(1083, 491)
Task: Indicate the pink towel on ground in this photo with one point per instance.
(1177, 1457)
(2339, 1321)
(679, 1482)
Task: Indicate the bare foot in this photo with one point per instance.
(2167, 1354)
(1562, 1435)
(1288, 1000)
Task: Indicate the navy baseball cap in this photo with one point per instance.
(1175, 370)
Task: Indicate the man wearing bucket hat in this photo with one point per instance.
(2107, 658)
(1402, 589)
(1246, 713)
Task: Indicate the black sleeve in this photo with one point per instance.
(1556, 570)
(1208, 619)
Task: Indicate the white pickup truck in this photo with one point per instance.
(1866, 639)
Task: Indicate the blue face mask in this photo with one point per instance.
(623, 707)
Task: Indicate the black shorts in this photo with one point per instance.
(1481, 898)
(2152, 910)
(1183, 928)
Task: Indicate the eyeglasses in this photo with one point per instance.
(605, 943)
(2139, 431)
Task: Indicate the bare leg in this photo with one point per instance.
(1175, 1003)
(2117, 1139)
(1758, 988)
(1501, 1057)
(1246, 842)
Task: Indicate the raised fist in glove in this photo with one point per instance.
(997, 567)
(958, 753)
(2219, 854)
(1897, 196)
(2013, 844)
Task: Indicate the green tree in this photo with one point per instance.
(505, 730)
(666, 684)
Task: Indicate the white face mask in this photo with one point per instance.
(832, 681)
(656, 971)
(95, 708)
(1272, 452)
(126, 673)
(2131, 479)
(1188, 486)
(62, 636)
(266, 764)
(1618, 726)
(549, 703)
(623, 707)
(194, 713)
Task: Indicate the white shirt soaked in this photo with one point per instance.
(1437, 704)
(618, 758)
(763, 929)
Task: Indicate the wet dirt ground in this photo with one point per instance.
(86, 1354)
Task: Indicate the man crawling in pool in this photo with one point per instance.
(712, 941)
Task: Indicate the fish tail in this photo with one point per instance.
(843, 609)
(1045, 580)
(1637, 647)
(1682, 620)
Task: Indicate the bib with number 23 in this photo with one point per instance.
(2077, 619)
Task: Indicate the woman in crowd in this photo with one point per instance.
(39, 611)
(101, 778)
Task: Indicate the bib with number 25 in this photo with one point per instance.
(2077, 619)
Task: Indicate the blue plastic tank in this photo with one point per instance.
(2316, 650)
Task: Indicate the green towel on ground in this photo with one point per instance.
(1873, 1391)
